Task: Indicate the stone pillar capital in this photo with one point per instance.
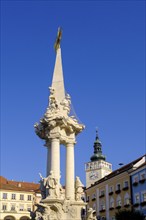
(71, 143)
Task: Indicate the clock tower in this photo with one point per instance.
(97, 168)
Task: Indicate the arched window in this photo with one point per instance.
(24, 218)
(9, 217)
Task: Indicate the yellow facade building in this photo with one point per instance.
(111, 193)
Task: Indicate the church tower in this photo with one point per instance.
(97, 168)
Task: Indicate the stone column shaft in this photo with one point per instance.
(69, 186)
(55, 157)
(48, 159)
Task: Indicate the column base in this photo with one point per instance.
(60, 209)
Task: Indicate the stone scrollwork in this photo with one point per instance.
(72, 211)
(48, 212)
(57, 114)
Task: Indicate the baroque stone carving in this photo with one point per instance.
(56, 127)
(90, 215)
(57, 115)
(78, 188)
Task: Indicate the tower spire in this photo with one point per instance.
(97, 149)
(58, 80)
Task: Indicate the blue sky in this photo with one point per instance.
(103, 52)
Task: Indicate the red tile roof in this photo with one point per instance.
(18, 185)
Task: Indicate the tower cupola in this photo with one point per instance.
(97, 150)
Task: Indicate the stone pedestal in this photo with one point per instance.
(57, 209)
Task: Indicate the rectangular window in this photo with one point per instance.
(125, 184)
(4, 195)
(21, 207)
(94, 206)
(137, 198)
(135, 179)
(102, 192)
(21, 197)
(118, 187)
(93, 196)
(4, 207)
(110, 167)
(12, 207)
(29, 197)
(88, 199)
(13, 196)
(144, 197)
(111, 189)
(119, 203)
(127, 201)
(142, 176)
(112, 204)
(29, 208)
(102, 207)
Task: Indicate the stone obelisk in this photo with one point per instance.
(58, 127)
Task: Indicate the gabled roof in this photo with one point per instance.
(18, 185)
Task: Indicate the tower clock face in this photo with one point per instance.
(93, 175)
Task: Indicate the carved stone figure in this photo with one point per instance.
(90, 215)
(42, 186)
(78, 188)
(51, 184)
(52, 100)
(66, 104)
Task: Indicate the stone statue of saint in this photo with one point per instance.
(66, 104)
(42, 186)
(78, 188)
(51, 185)
(90, 215)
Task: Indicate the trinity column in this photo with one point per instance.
(59, 127)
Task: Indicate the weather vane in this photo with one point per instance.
(58, 39)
